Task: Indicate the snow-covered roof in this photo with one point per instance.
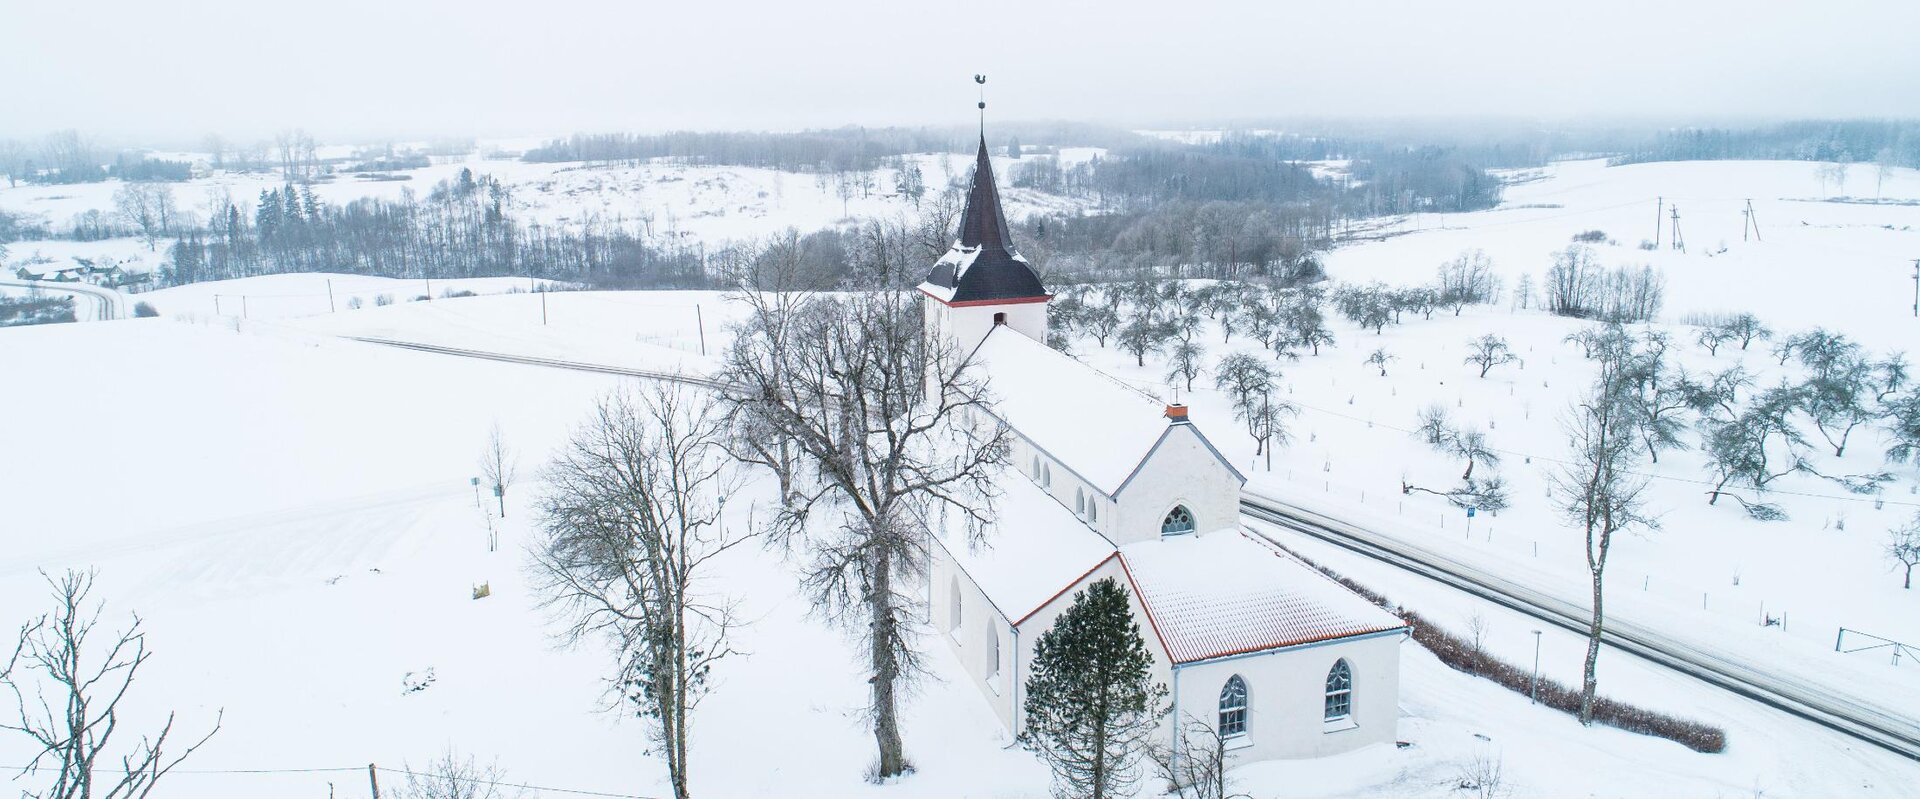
(1224, 593)
(1036, 549)
(1097, 426)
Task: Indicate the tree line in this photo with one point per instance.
(463, 227)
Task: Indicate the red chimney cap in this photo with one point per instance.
(1177, 412)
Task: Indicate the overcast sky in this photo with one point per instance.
(140, 69)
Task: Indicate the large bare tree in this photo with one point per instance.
(67, 687)
(1597, 490)
(892, 427)
(630, 522)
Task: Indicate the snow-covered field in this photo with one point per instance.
(712, 204)
(290, 513)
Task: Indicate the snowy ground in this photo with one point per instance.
(291, 515)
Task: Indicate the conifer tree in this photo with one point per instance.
(1091, 700)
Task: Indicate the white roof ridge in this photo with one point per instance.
(1151, 399)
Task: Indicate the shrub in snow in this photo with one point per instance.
(383, 299)
(1591, 237)
(353, 303)
(144, 310)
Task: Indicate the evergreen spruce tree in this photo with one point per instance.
(1091, 700)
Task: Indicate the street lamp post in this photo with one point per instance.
(1536, 669)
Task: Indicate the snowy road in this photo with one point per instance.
(1822, 705)
(1847, 714)
(106, 302)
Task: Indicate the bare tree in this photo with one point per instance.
(454, 776)
(1598, 492)
(1195, 766)
(147, 206)
(890, 420)
(630, 522)
(1903, 547)
(1467, 279)
(1489, 351)
(68, 696)
(499, 465)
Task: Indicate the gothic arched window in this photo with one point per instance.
(1233, 707)
(1339, 691)
(1179, 521)
(953, 607)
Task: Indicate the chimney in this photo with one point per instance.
(1177, 413)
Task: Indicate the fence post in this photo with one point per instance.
(1836, 638)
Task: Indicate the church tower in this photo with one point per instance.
(983, 281)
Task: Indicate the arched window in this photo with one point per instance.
(993, 650)
(1178, 522)
(1046, 475)
(1339, 691)
(1080, 501)
(1036, 467)
(1093, 509)
(953, 607)
(1233, 707)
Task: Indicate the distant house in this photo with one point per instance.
(82, 270)
(54, 273)
(1282, 661)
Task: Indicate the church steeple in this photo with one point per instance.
(983, 266)
(984, 224)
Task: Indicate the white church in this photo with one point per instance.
(1284, 661)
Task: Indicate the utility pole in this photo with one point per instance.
(543, 308)
(373, 778)
(1659, 210)
(1679, 241)
(700, 322)
(1751, 222)
(1916, 288)
(330, 308)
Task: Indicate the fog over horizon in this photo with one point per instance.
(130, 72)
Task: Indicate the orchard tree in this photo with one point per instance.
(1747, 328)
(1489, 351)
(1141, 336)
(1185, 361)
(1091, 701)
(1903, 548)
(1379, 359)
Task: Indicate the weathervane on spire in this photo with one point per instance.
(982, 80)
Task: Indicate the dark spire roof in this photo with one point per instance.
(993, 269)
